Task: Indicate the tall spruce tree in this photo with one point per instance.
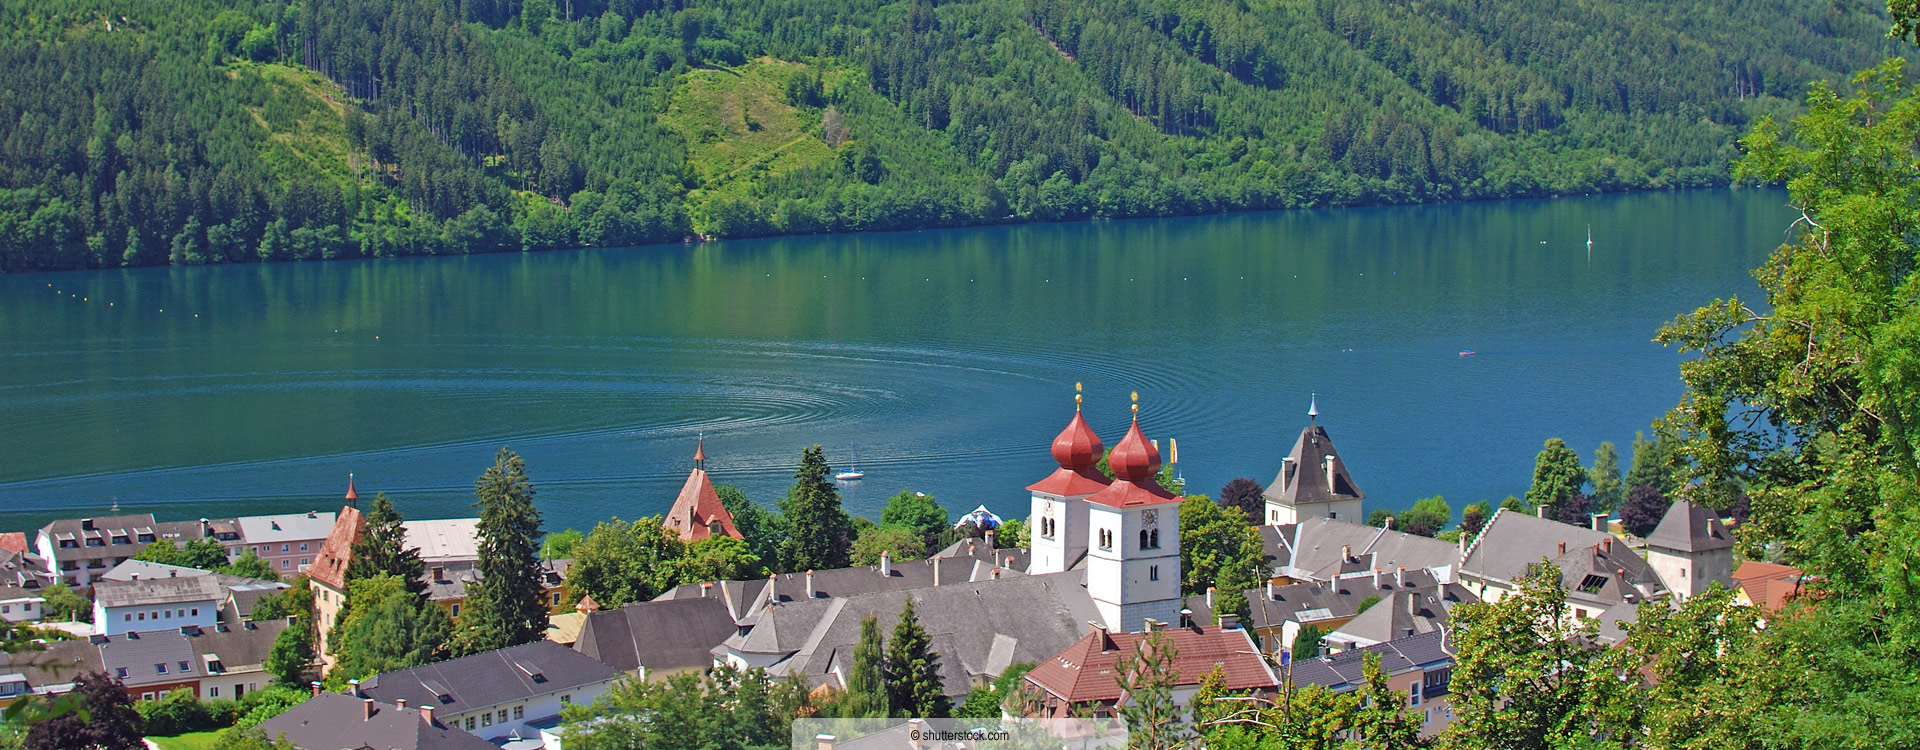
(866, 696)
(1153, 719)
(1608, 489)
(507, 605)
(913, 671)
(382, 549)
(821, 534)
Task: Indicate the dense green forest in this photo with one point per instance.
(213, 131)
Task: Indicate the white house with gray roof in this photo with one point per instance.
(497, 694)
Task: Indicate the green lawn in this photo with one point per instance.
(189, 741)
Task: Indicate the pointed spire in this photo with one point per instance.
(700, 454)
(1313, 407)
(353, 498)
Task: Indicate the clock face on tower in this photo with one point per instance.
(1149, 517)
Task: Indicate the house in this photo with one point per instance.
(77, 551)
(1326, 549)
(655, 639)
(1313, 482)
(1401, 614)
(328, 574)
(1419, 667)
(1604, 579)
(697, 512)
(444, 540)
(977, 628)
(496, 694)
(1086, 675)
(288, 542)
(1277, 614)
(1768, 586)
(1691, 549)
(23, 579)
(330, 721)
(139, 595)
(447, 584)
(215, 662)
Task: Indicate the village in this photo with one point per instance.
(1069, 610)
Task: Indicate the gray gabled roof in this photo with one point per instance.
(1690, 528)
(1316, 601)
(1407, 613)
(1512, 541)
(285, 527)
(149, 658)
(977, 628)
(748, 600)
(1343, 671)
(147, 591)
(1312, 549)
(333, 721)
(1303, 475)
(491, 678)
(669, 635)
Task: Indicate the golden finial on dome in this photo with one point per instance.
(1136, 404)
(1076, 396)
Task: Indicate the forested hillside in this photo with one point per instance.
(210, 131)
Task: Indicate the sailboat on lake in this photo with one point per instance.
(853, 470)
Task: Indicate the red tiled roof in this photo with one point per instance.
(14, 541)
(698, 509)
(1753, 570)
(1088, 670)
(330, 567)
(1768, 585)
(1066, 482)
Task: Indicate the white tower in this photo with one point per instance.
(1313, 481)
(1690, 549)
(1133, 561)
(1057, 529)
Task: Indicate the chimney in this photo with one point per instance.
(1600, 522)
(400, 703)
(706, 589)
(1563, 548)
(1463, 547)
(1389, 525)
(426, 714)
(773, 594)
(1148, 626)
(439, 573)
(206, 528)
(1540, 511)
(315, 685)
(916, 728)
(1229, 621)
(1607, 545)
(824, 742)
(1400, 577)
(1329, 461)
(996, 573)
(811, 591)
(1095, 627)
(1413, 605)
(993, 539)
(86, 524)
(1376, 578)
(354, 686)
(1209, 597)
(886, 563)
(1271, 593)
(366, 708)
(996, 557)
(1346, 553)
(936, 571)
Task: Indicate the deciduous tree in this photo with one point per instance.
(107, 723)
(1247, 495)
(1557, 473)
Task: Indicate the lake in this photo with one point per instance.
(948, 357)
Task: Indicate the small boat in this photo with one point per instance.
(853, 472)
(1467, 352)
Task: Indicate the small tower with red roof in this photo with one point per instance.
(1133, 563)
(1057, 529)
(697, 513)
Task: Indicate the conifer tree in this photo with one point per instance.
(913, 671)
(1608, 489)
(1147, 678)
(382, 549)
(385, 628)
(866, 696)
(821, 534)
(507, 605)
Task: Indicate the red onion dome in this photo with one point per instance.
(1077, 447)
(1134, 459)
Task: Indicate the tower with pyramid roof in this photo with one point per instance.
(1313, 481)
(697, 513)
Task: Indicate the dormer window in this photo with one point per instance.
(146, 538)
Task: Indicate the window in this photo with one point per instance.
(185, 667)
(213, 691)
(285, 563)
(146, 696)
(303, 562)
(1143, 539)
(1106, 539)
(1413, 694)
(122, 540)
(486, 719)
(1593, 583)
(160, 668)
(503, 716)
(566, 700)
(1153, 572)
(196, 611)
(126, 617)
(556, 599)
(519, 712)
(470, 722)
(456, 609)
(303, 546)
(283, 548)
(143, 616)
(120, 672)
(146, 538)
(1156, 538)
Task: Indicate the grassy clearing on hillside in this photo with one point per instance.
(737, 123)
(305, 120)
